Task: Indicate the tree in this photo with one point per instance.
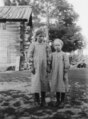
(65, 18)
(7, 2)
(76, 57)
(59, 18)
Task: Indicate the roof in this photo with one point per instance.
(15, 13)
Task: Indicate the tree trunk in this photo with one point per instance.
(22, 57)
(24, 44)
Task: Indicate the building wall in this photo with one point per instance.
(9, 43)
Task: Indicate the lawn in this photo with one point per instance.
(16, 102)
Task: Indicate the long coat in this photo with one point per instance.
(38, 51)
(59, 78)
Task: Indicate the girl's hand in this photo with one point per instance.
(65, 70)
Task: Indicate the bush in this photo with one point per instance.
(10, 68)
(81, 65)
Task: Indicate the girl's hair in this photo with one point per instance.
(57, 40)
(38, 32)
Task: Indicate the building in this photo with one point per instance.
(15, 31)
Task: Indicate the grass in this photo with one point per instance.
(15, 76)
(16, 104)
(78, 75)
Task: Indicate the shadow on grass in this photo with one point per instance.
(16, 104)
(20, 105)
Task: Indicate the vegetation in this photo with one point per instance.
(60, 19)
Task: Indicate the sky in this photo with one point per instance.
(81, 7)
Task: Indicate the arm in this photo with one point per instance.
(49, 63)
(30, 56)
(48, 49)
(30, 52)
(66, 68)
(66, 63)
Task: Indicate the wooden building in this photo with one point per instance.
(15, 33)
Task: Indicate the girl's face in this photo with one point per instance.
(40, 38)
(58, 46)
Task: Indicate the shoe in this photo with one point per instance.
(36, 99)
(58, 99)
(37, 104)
(51, 104)
(43, 104)
(57, 104)
(61, 105)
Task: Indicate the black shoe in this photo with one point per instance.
(62, 100)
(61, 105)
(37, 104)
(43, 104)
(36, 99)
(57, 104)
(58, 99)
(51, 104)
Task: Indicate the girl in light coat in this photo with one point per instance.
(59, 72)
(38, 52)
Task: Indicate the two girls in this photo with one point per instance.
(59, 68)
